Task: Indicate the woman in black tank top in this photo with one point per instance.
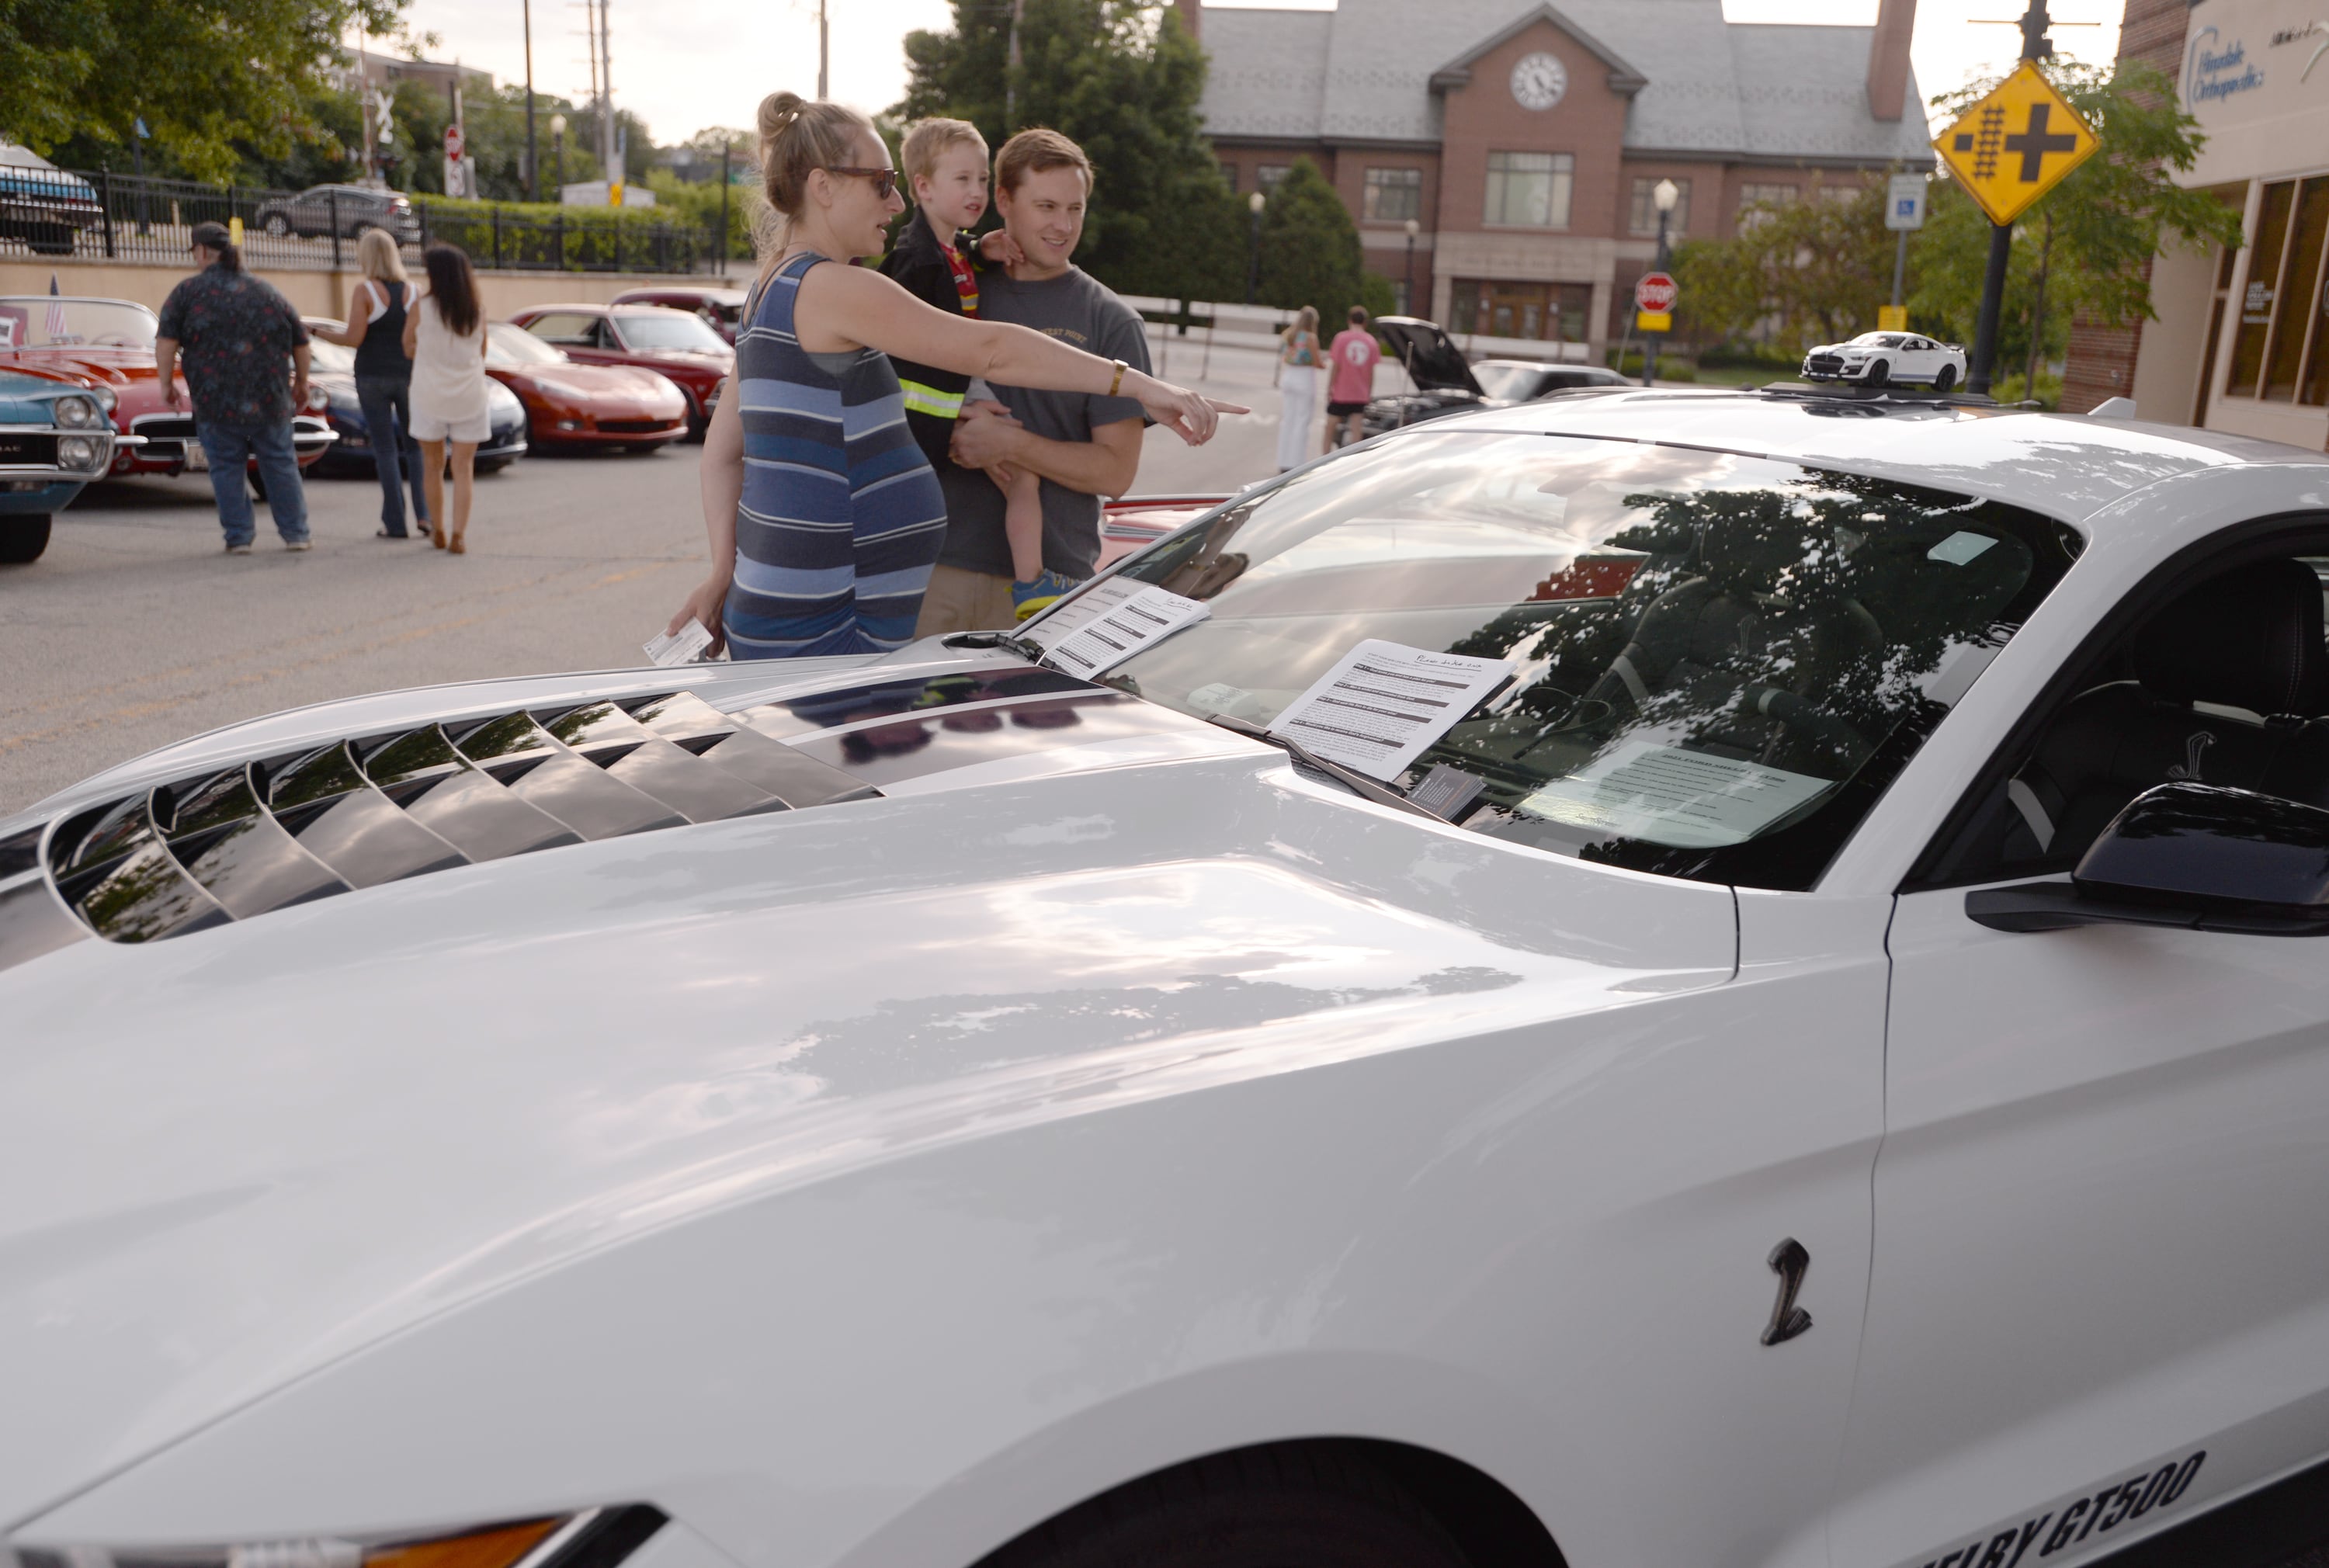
(375, 330)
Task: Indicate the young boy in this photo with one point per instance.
(945, 163)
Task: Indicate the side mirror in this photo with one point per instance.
(2188, 855)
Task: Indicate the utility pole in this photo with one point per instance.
(824, 51)
(1010, 74)
(2034, 47)
(607, 103)
(533, 156)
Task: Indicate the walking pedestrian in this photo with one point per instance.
(444, 338)
(1353, 355)
(375, 330)
(1298, 385)
(246, 358)
(829, 549)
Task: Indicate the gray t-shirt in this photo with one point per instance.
(1084, 314)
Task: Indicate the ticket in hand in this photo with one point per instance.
(680, 647)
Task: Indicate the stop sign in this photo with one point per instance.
(453, 141)
(1655, 292)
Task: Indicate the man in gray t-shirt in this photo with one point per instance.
(1083, 446)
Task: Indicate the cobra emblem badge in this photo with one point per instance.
(1791, 1263)
(2195, 746)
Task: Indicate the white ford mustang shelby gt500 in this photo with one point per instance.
(1885, 359)
(1652, 978)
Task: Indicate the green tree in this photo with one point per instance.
(1816, 271)
(214, 79)
(1310, 246)
(1122, 79)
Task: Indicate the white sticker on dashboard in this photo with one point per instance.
(1959, 548)
(1383, 702)
(1110, 637)
(1690, 800)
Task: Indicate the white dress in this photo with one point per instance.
(1298, 385)
(448, 379)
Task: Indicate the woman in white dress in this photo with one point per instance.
(1297, 380)
(445, 335)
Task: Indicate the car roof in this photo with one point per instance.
(2067, 466)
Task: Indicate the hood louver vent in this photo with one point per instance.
(274, 831)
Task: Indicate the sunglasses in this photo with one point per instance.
(884, 180)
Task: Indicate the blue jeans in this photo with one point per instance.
(229, 448)
(387, 404)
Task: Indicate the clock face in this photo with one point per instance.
(1539, 80)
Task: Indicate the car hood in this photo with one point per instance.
(629, 383)
(1431, 357)
(115, 367)
(261, 1146)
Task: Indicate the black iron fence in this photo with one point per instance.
(90, 215)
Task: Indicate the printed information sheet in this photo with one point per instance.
(1687, 799)
(1050, 631)
(1383, 702)
(679, 647)
(1115, 635)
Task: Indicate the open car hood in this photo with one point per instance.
(1429, 354)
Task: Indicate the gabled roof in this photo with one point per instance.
(1457, 72)
(1365, 70)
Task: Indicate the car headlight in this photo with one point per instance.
(601, 1535)
(80, 452)
(77, 413)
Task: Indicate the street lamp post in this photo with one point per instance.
(1255, 204)
(1413, 228)
(1665, 193)
(558, 150)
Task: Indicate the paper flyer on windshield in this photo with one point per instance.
(1048, 631)
(1111, 636)
(1688, 799)
(1383, 702)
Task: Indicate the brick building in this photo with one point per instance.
(2237, 343)
(1523, 140)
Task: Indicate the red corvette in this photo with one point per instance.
(670, 343)
(571, 405)
(108, 346)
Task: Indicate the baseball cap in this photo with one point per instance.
(212, 235)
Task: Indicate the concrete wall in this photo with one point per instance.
(316, 292)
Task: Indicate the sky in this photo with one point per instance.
(681, 65)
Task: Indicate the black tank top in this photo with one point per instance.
(381, 352)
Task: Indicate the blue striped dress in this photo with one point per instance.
(842, 518)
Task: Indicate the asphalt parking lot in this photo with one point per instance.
(135, 630)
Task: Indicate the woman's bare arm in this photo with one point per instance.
(844, 307)
(352, 335)
(722, 481)
(412, 326)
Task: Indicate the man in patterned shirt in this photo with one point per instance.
(246, 358)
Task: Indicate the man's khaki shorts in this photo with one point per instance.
(965, 601)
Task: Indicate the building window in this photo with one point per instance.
(2279, 353)
(1391, 195)
(1529, 190)
(1545, 312)
(1229, 174)
(1756, 202)
(1646, 209)
(1269, 176)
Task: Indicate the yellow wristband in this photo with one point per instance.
(1120, 367)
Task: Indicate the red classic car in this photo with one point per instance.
(721, 309)
(572, 405)
(108, 346)
(672, 342)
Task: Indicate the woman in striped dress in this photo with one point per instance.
(823, 515)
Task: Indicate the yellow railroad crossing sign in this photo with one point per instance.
(2012, 146)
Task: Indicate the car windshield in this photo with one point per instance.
(329, 358)
(1517, 382)
(1877, 340)
(46, 321)
(673, 331)
(1705, 664)
(513, 345)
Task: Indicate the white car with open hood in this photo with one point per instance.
(1662, 978)
(1888, 359)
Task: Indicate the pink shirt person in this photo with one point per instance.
(1354, 353)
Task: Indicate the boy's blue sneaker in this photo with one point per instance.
(1037, 593)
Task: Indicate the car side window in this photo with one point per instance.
(566, 329)
(604, 336)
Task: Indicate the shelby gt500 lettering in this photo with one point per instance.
(2105, 1511)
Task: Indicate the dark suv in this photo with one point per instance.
(354, 209)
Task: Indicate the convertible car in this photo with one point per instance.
(107, 346)
(1660, 979)
(54, 440)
